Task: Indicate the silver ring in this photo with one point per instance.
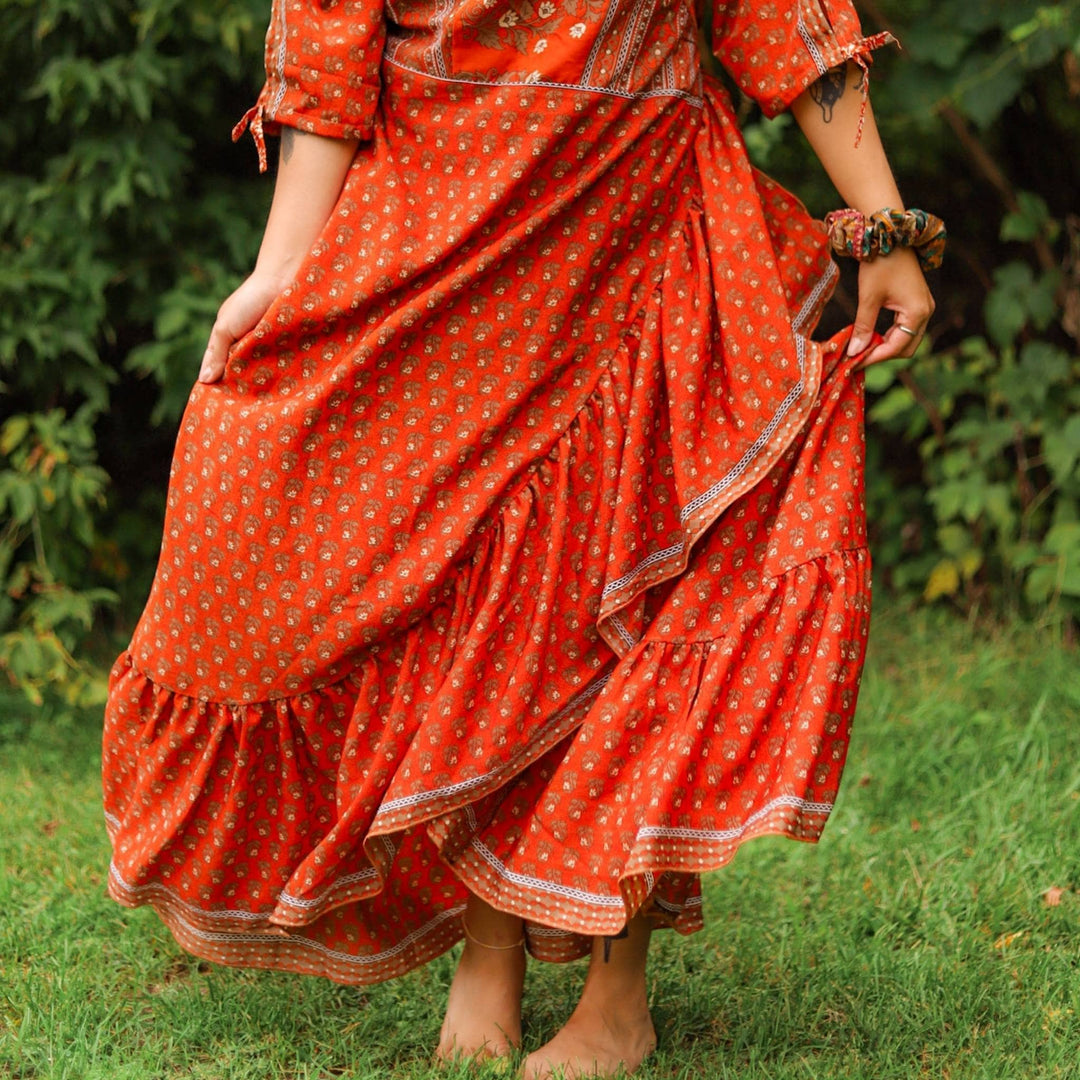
(910, 333)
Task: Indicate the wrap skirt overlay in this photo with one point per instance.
(521, 548)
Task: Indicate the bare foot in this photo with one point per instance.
(610, 1030)
(595, 1043)
(483, 1013)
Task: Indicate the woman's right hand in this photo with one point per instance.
(311, 172)
(239, 314)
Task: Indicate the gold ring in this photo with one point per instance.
(910, 333)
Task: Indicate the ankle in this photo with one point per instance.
(616, 998)
(489, 928)
(493, 946)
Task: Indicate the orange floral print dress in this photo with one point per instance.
(521, 548)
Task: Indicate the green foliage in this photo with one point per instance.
(973, 490)
(978, 56)
(49, 495)
(998, 431)
(984, 506)
(125, 216)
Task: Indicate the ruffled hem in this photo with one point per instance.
(682, 802)
(660, 845)
(622, 636)
(337, 832)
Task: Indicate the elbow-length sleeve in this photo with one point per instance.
(776, 49)
(322, 70)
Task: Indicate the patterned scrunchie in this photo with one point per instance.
(862, 237)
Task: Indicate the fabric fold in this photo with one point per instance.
(333, 832)
(746, 279)
(520, 549)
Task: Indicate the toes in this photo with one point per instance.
(549, 1062)
(449, 1055)
(537, 1068)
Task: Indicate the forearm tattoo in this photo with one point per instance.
(288, 139)
(828, 90)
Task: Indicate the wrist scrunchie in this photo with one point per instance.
(863, 237)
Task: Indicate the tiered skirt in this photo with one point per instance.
(499, 577)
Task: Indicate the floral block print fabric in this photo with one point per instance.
(521, 548)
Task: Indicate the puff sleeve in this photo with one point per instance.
(777, 48)
(322, 70)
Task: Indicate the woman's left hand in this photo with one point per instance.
(238, 315)
(894, 282)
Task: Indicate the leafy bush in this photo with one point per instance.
(973, 485)
(992, 408)
(126, 215)
(124, 218)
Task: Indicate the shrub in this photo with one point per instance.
(974, 447)
(125, 217)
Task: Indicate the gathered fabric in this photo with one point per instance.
(521, 549)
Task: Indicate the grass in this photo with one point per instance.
(916, 940)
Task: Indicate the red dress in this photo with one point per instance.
(521, 547)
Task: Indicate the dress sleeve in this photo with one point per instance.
(322, 70)
(775, 50)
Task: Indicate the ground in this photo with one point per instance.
(932, 933)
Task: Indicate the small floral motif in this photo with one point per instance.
(541, 45)
(498, 447)
(546, 10)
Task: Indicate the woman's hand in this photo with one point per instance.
(840, 127)
(894, 282)
(311, 172)
(239, 314)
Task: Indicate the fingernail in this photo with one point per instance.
(204, 374)
(857, 345)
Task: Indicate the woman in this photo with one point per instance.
(514, 567)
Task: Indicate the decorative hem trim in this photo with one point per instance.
(811, 45)
(549, 734)
(693, 100)
(721, 836)
(282, 57)
(752, 453)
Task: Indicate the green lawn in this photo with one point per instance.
(916, 940)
